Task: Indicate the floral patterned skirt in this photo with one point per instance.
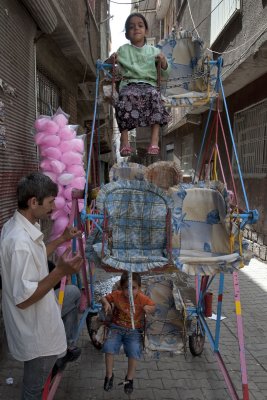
(140, 105)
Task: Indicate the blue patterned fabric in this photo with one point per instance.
(200, 229)
(136, 213)
(200, 223)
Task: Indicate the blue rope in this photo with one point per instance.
(218, 87)
(234, 146)
(99, 66)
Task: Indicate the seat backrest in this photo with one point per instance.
(136, 213)
(198, 218)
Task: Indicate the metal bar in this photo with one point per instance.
(228, 158)
(203, 141)
(92, 281)
(233, 143)
(241, 341)
(55, 384)
(92, 134)
(81, 323)
(219, 312)
(82, 252)
(207, 330)
(219, 360)
(227, 379)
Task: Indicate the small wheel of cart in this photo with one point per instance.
(197, 341)
(92, 331)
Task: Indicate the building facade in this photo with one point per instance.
(48, 53)
(236, 31)
(48, 56)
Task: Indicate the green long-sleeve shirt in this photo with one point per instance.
(137, 64)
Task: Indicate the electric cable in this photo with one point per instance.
(135, 2)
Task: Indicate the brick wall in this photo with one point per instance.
(257, 243)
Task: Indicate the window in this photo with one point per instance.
(223, 12)
(250, 131)
(170, 152)
(187, 155)
(48, 94)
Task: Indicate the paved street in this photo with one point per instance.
(193, 378)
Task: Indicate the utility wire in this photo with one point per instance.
(258, 34)
(135, 2)
(207, 15)
(242, 55)
(195, 29)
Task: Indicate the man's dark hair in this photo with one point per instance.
(128, 21)
(35, 185)
(125, 278)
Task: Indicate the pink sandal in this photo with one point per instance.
(126, 151)
(153, 150)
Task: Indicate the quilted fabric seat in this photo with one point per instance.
(137, 214)
(200, 232)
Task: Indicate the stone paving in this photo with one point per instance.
(177, 377)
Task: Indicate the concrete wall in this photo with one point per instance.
(83, 22)
(251, 20)
(245, 80)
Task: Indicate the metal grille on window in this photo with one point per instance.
(49, 96)
(250, 131)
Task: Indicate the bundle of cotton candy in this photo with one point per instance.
(61, 153)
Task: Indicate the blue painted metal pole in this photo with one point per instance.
(92, 133)
(232, 139)
(219, 312)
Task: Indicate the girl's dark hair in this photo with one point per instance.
(128, 20)
(125, 278)
(35, 185)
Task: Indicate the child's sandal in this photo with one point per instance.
(128, 385)
(126, 151)
(153, 150)
(108, 383)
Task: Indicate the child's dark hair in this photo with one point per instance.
(128, 20)
(125, 278)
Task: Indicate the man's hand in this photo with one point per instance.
(162, 59)
(70, 232)
(69, 266)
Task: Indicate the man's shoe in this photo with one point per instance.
(128, 385)
(71, 355)
(108, 383)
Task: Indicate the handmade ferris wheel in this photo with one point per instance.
(147, 220)
(195, 228)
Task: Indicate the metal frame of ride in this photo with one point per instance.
(197, 339)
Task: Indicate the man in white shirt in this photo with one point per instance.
(35, 331)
